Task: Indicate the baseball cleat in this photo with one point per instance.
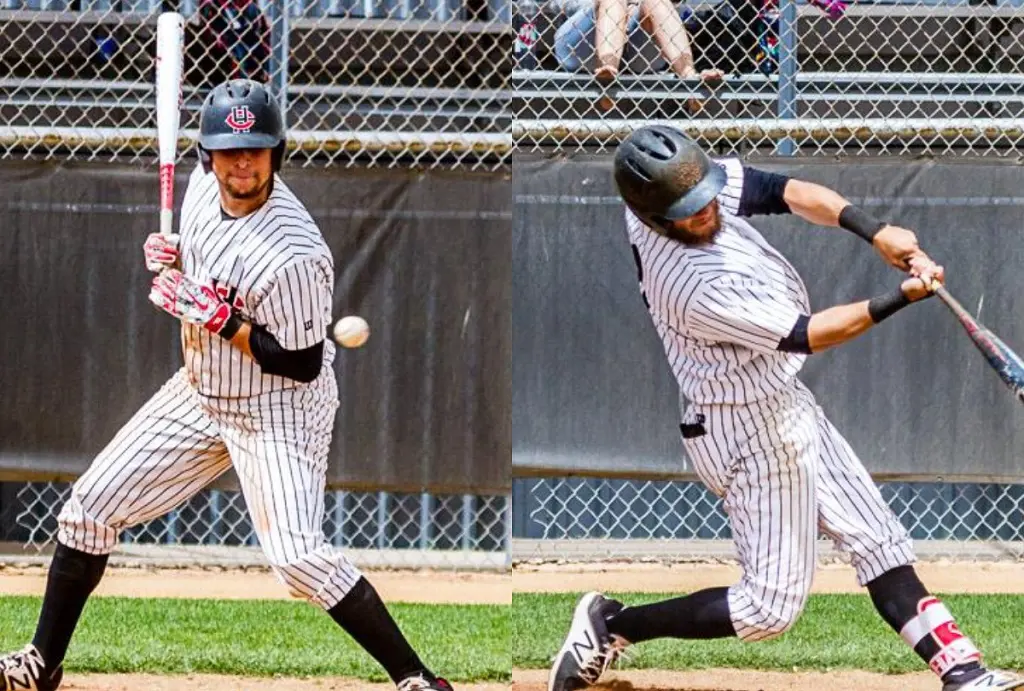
(420, 683)
(26, 671)
(991, 679)
(589, 650)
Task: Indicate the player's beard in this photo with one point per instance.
(702, 235)
(254, 192)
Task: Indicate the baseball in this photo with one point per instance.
(351, 331)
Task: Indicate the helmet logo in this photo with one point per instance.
(240, 119)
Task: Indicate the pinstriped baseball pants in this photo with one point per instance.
(180, 441)
(784, 474)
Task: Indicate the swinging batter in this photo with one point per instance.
(736, 325)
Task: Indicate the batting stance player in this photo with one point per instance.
(736, 325)
(251, 281)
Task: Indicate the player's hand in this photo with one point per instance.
(898, 246)
(161, 252)
(924, 267)
(917, 289)
(189, 301)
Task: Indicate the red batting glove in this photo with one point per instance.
(189, 301)
(161, 252)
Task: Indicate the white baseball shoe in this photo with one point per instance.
(26, 671)
(990, 679)
(589, 650)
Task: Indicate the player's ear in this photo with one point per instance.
(205, 159)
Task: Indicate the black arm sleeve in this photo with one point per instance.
(763, 193)
(301, 365)
(797, 340)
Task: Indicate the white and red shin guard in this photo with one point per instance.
(934, 635)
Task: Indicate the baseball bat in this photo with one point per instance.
(170, 39)
(1003, 360)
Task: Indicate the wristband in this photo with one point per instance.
(858, 221)
(887, 305)
(231, 326)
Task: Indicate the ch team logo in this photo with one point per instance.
(240, 119)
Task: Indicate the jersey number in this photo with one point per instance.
(640, 275)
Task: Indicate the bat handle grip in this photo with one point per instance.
(166, 222)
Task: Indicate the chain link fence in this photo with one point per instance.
(376, 529)
(379, 82)
(592, 519)
(814, 77)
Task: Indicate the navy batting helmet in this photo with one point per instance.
(241, 114)
(664, 176)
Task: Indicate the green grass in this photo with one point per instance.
(263, 638)
(836, 631)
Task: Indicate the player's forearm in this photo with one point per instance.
(837, 325)
(815, 203)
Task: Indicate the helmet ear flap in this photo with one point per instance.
(205, 159)
(277, 157)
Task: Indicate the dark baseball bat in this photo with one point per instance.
(1003, 360)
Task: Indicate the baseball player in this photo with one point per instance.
(251, 280)
(736, 325)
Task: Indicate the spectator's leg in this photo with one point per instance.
(661, 20)
(610, 37)
(574, 40)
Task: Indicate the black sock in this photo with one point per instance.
(704, 614)
(364, 617)
(896, 594)
(72, 578)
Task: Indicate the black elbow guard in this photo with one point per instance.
(301, 365)
(798, 340)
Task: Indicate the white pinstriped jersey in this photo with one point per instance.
(721, 309)
(273, 266)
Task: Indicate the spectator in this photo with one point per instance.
(737, 36)
(233, 41)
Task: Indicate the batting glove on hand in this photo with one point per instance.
(833, 8)
(188, 300)
(161, 252)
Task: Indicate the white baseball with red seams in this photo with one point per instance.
(351, 331)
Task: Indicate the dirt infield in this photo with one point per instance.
(732, 680)
(940, 577)
(431, 587)
(199, 682)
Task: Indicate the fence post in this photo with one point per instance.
(788, 36)
(216, 519)
(467, 521)
(425, 532)
(280, 23)
(382, 520)
(508, 532)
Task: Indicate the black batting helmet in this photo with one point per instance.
(664, 176)
(241, 114)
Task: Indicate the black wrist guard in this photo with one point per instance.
(887, 305)
(858, 221)
(231, 326)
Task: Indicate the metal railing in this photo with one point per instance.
(386, 83)
(799, 79)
